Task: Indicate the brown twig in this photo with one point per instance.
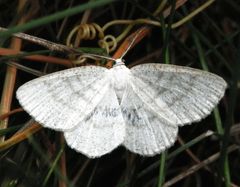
(20, 136)
(6, 115)
(37, 58)
(10, 78)
(198, 161)
(198, 166)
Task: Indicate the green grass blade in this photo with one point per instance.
(161, 177)
(54, 17)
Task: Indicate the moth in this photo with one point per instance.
(141, 108)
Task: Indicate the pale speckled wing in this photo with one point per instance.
(61, 100)
(183, 94)
(147, 131)
(101, 131)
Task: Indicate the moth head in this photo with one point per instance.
(118, 61)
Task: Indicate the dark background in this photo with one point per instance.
(209, 39)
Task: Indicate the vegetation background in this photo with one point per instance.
(205, 154)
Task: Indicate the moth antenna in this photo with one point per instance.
(99, 56)
(132, 42)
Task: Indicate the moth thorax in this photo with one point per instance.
(120, 80)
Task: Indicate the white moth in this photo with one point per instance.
(141, 108)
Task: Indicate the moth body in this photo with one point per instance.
(120, 77)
